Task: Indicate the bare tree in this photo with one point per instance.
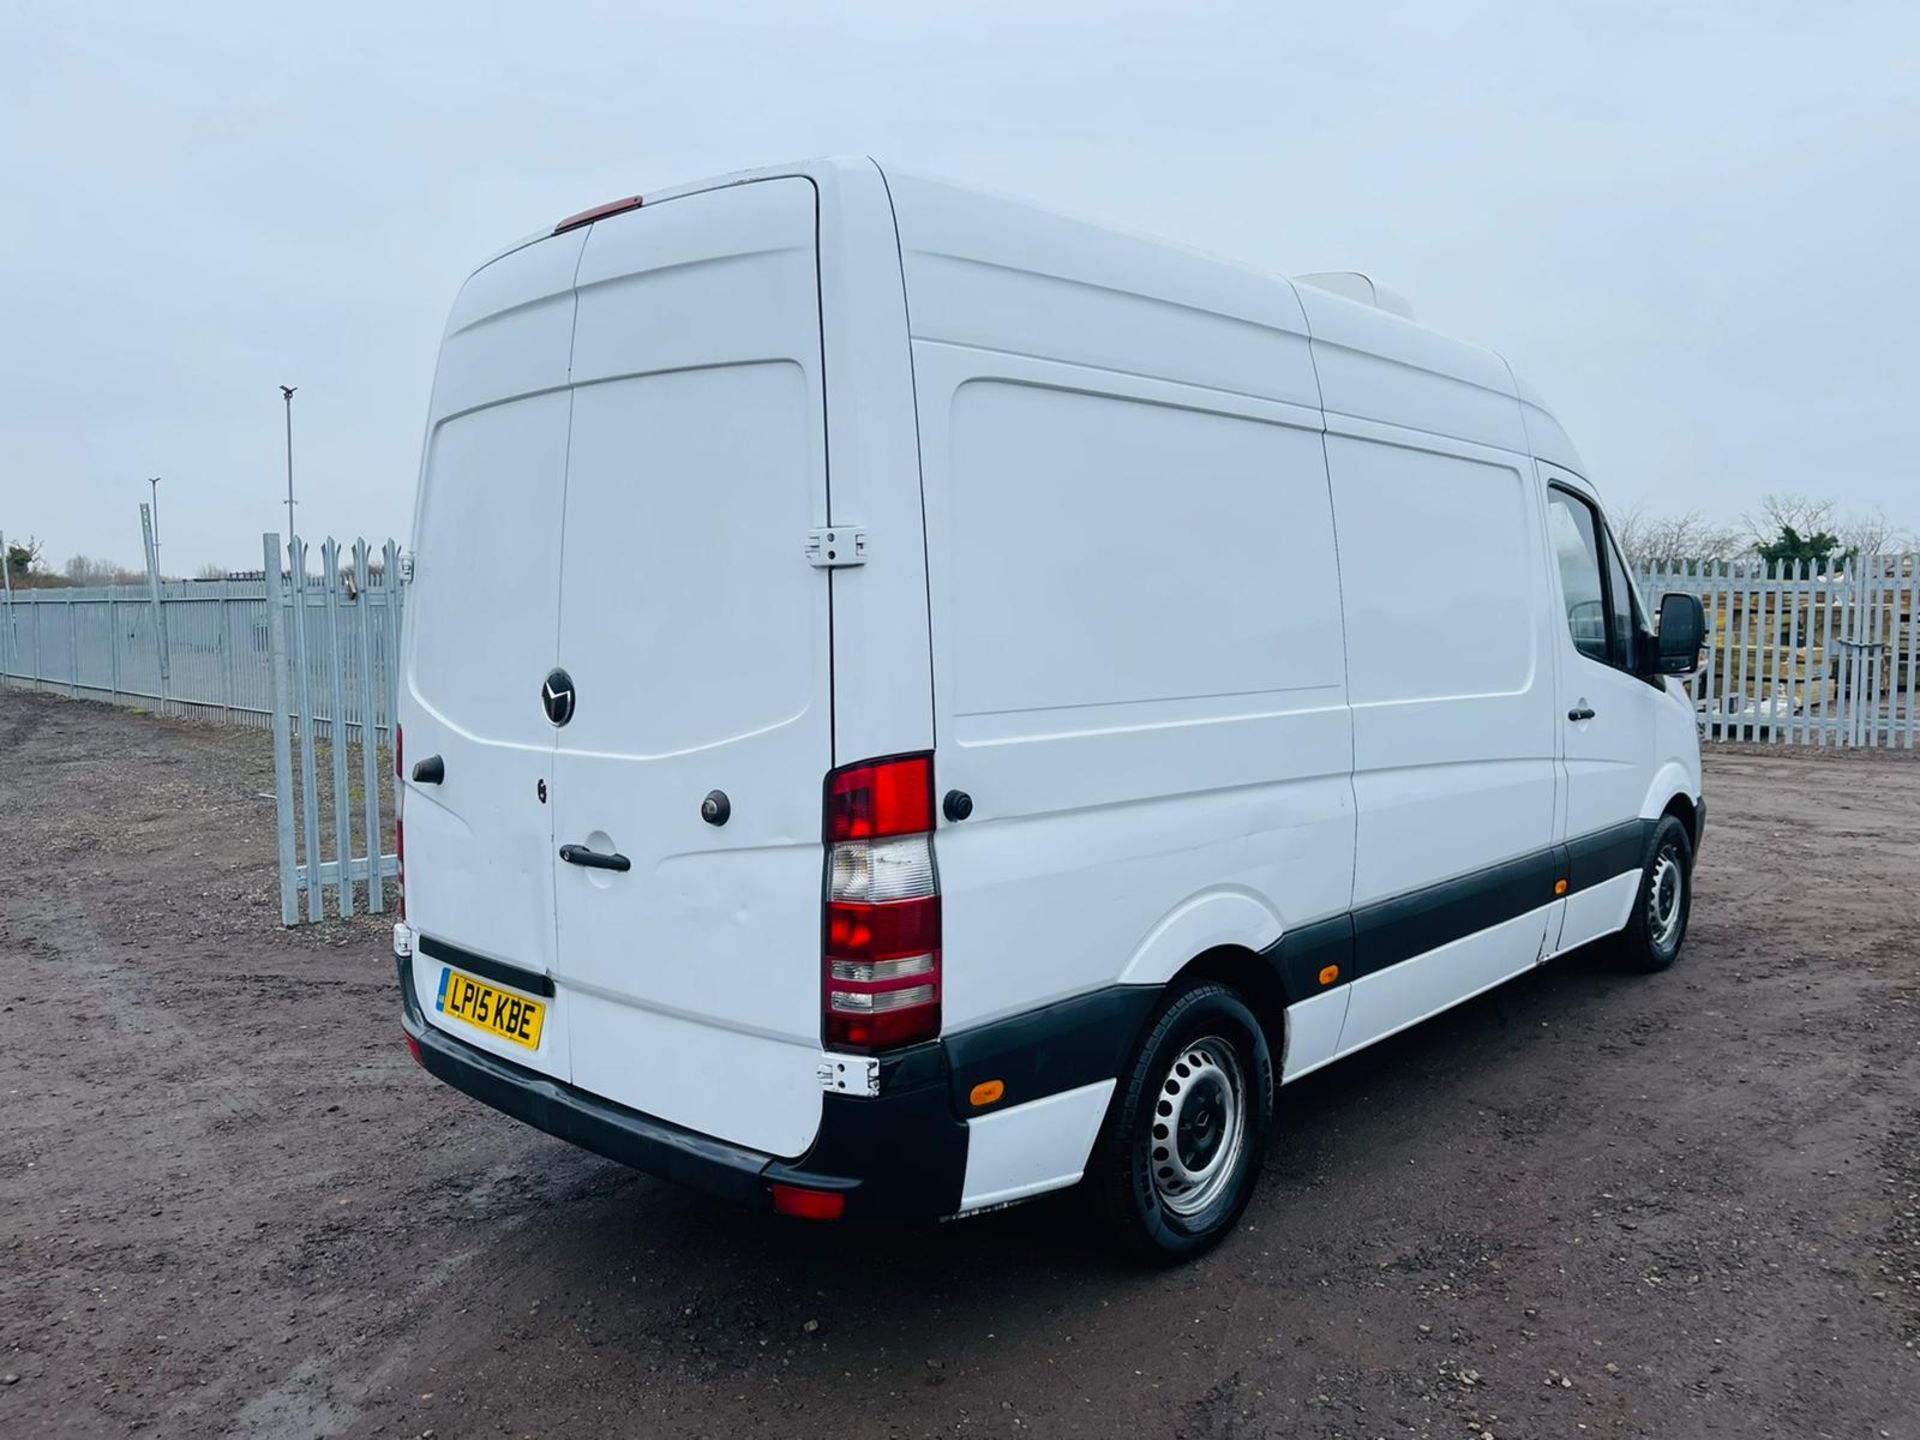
(1874, 534)
(1650, 539)
(1788, 510)
(91, 570)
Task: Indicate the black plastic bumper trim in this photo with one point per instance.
(531, 981)
(904, 1152)
(1304, 953)
(1607, 853)
(1383, 934)
(899, 1153)
(1388, 932)
(1048, 1051)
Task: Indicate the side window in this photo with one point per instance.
(1621, 608)
(1573, 529)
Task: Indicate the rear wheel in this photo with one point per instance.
(1658, 924)
(1180, 1154)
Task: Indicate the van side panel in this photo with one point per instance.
(1136, 632)
(1453, 691)
(1136, 729)
(1452, 680)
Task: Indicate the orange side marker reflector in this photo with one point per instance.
(1559, 887)
(1330, 974)
(986, 1092)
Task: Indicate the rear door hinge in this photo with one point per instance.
(849, 1074)
(834, 547)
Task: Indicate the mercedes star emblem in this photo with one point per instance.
(556, 697)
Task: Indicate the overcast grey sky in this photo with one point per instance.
(1692, 226)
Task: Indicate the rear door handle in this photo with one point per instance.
(593, 859)
(1580, 712)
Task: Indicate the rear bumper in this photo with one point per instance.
(899, 1153)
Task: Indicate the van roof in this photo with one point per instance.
(1333, 319)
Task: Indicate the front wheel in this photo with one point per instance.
(1658, 923)
(1180, 1154)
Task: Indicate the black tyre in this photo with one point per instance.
(1180, 1153)
(1658, 925)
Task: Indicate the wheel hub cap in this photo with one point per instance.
(1198, 1126)
(1663, 898)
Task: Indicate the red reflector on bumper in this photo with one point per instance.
(808, 1204)
(413, 1049)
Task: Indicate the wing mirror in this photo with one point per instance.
(1677, 647)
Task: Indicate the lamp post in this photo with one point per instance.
(287, 392)
(153, 482)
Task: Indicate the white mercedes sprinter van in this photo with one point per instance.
(912, 702)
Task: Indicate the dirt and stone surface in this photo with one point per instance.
(1588, 1204)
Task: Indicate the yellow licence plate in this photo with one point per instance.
(498, 1012)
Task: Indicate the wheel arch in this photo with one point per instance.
(1253, 977)
(1228, 918)
(1672, 793)
(1682, 809)
(1218, 935)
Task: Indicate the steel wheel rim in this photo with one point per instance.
(1665, 890)
(1199, 1126)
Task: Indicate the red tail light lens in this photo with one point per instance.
(882, 932)
(880, 798)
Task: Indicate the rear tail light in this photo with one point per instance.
(882, 942)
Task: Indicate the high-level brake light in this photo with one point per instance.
(598, 212)
(882, 943)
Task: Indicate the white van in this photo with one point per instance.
(911, 701)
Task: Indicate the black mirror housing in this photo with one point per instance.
(1682, 636)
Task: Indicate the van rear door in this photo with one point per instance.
(480, 635)
(697, 637)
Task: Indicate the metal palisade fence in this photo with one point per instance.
(310, 656)
(1796, 654)
(334, 657)
(1805, 653)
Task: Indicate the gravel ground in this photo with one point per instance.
(1586, 1204)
